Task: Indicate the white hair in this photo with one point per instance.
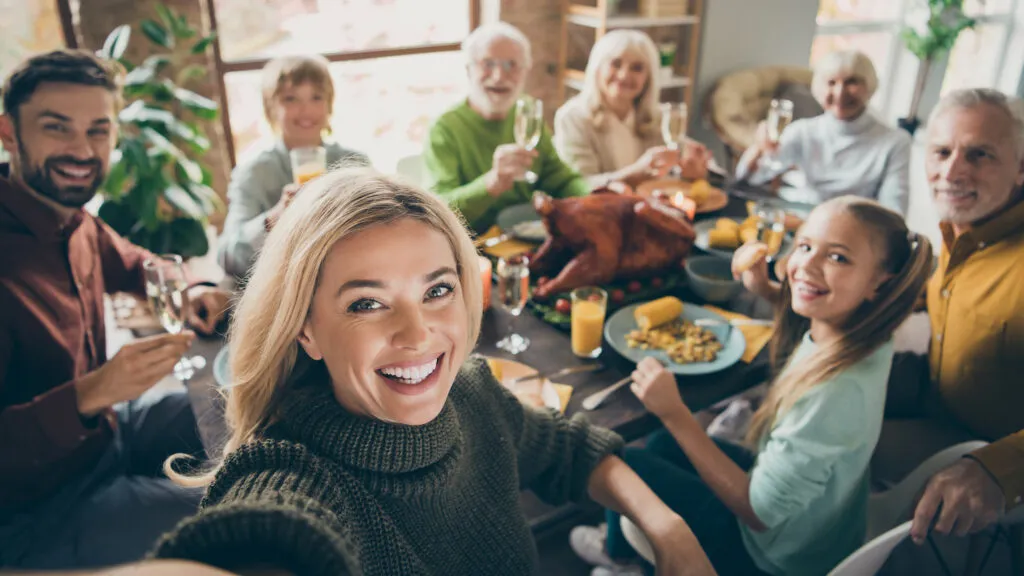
(847, 62)
(612, 45)
(484, 35)
(973, 97)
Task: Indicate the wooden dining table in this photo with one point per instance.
(549, 350)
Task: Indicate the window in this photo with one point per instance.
(979, 56)
(27, 27)
(395, 65)
(985, 56)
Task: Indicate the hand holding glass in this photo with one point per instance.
(167, 292)
(771, 226)
(529, 123)
(513, 292)
(308, 163)
(780, 114)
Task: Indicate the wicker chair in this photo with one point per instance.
(740, 100)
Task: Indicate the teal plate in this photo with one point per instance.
(622, 323)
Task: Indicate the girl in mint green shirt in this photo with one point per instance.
(799, 505)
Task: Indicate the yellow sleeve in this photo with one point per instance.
(1004, 459)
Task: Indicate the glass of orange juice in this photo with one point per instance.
(588, 309)
(308, 163)
(485, 278)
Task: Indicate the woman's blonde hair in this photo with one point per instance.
(907, 256)
(849, 62)
(266, 357)
(286, 71)
(610, 46)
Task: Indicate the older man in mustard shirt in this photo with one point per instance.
(975, 388)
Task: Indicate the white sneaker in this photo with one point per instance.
(588, 543)
(618, 571)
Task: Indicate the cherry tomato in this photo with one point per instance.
(594, 297)
(562, 305)
(657, 282)
(617, 296)
(634, 286)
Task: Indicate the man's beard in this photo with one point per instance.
(40, 179)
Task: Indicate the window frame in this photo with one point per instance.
(222, 67)
(897, 52)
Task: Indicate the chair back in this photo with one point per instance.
(411, 167)
(869, 558)
(886, 509)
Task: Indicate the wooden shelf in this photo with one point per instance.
(574, 80)
(597, 18)
(592, 19)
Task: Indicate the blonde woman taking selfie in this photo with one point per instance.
(364, 438)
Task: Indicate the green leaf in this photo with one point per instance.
(113, 186)
(207, 197)
(188, 238)
(192, 170)
(116, 43)
(138, 113)
(166, 16)
(157, 33)
(118, 215)
(191, 72)
(183, 201)
(134, 154)
(199, 105)
(200, 47)
(187, 31)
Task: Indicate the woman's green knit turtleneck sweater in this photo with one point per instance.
(328, 492)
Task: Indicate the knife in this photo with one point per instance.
(558, 373)
(492, 242)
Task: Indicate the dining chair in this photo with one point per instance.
(885, 511)
(411, 167)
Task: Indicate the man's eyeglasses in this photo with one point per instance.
(488, 65)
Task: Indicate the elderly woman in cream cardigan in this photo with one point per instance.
(609, 132)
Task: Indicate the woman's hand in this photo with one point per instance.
(656, 162)
(763, 141)
(656, 387)
(287, 195)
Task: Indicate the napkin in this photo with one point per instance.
(757, 336)
(507, 248)
(564, 393)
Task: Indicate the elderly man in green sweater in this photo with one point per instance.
(471, 156)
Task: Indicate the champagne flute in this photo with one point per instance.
(780, 114)
(167, 292)
(529, 123)
(308, 163)
(673, 124)
(673, 129)
(513, 292)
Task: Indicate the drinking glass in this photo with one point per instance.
(780, 114)
(771, 226)
(529, 123)
(673, 124)
(589, 305)
(485, 280)
(513, 292)
(167, 292)
(308, 163)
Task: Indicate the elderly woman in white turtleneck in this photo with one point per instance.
(843, 151)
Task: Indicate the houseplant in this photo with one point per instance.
(931, 31)
(157, 193)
